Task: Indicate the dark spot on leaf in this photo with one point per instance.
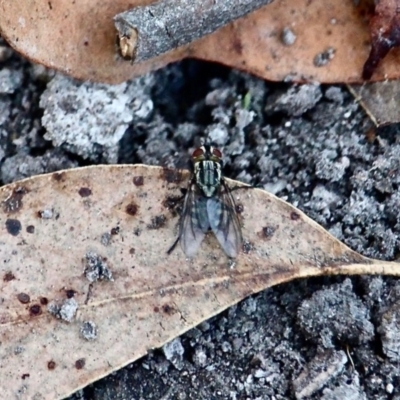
(13, 226)
(44, 301)
(131, 209)
(294, 216)
(131, 250)
(167, 309)
(156, 309)
(268, 232)
(14, 202)
(115, 231)
(79, 364)
(59, 176)
(30, 229)
(23, 298)
(8, 276)
(24, 376)
(237, 45)
(239, 208)
(172, 175)
(138, 180)
(84, 192)
(157, 222)
(51, 365)
(35, 310)
(70, 293)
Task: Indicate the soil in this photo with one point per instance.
(312, 145)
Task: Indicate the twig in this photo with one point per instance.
(148, 31)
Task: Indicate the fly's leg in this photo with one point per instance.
(172, 248)
(172, 208)
(238, 187)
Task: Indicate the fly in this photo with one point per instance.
(208, 206)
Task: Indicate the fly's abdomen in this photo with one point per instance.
(208, 177)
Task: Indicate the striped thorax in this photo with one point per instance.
(207, 169)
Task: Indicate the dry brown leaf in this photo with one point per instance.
(79, 39)
(380, 100)
(118, 220)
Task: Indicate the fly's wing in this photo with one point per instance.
(224, 222)
(194, 222)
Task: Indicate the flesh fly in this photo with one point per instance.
(208, 206)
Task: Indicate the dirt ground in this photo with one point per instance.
(312, 145)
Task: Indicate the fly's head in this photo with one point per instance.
(207, 162)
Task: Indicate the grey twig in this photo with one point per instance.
(148, 31)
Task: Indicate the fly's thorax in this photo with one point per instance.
(208, 175)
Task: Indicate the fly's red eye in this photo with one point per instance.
(198, 153)
(217, 153)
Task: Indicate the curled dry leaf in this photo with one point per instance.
(380, 100)
(99, 236)
(325, 41)
(385, 34)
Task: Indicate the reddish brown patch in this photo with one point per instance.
(115, 231)
(294, 216)
(30, 229)
(156, 309)
(138, 180)
(131, 250)
(132, 209)
(51, 365)
(59, 176)
(35, 310)
(79, 364)
(23, 298)
(44, 301)
(85, 192)
(14, 202)
(237, 45)
(8, 276)
(24, 376)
